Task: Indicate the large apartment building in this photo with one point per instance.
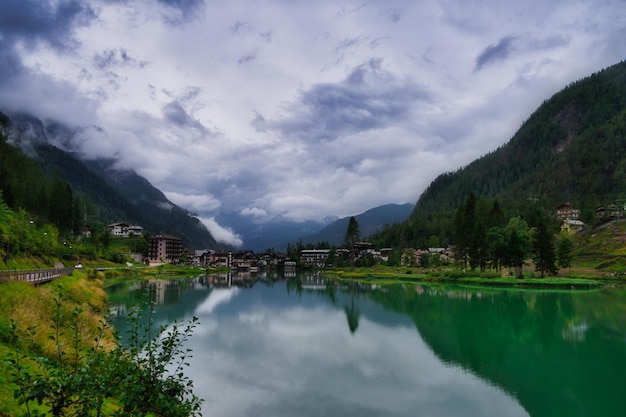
(163, 249)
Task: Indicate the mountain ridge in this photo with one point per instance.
(578, 109)
(370, 222)
(570, 150)
(115, 195)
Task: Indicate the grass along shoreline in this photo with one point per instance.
(390, 275)
(59, 355)
(31, 308)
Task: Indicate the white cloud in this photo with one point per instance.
(254, 212)
(194, 202)
(216, 298)
(320, 358)
(220, 233)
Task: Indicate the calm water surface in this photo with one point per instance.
(306, 347)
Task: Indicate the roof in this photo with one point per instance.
(164, 236)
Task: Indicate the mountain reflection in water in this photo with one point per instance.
(274, 346)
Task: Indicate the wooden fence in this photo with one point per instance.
(35, 276)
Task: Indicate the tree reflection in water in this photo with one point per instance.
(352, 314)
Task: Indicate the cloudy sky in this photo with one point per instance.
(291, 108)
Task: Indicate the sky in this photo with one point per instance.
(293, 109)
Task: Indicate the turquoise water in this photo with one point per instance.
(307, 347)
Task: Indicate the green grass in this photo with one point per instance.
(386, 276)
(31, 306)
(601, 251)
(26, 262)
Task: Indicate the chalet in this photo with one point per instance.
(384, 254)
(164, 248)
(222, 259)
(202, 257)
(244, 261)
(610, 212)
(572, 226)
(118, 229)
(364, 249)
(135, 231)
(567, 211)
(278, 260)
(314, 257)
(124, 230)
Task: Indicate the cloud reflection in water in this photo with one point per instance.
(267, 356)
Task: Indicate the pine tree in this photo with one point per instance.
(564, 251)
(353, 234)
(543, 248)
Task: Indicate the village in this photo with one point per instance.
(164, 248)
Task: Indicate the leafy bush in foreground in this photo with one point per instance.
(76, 380)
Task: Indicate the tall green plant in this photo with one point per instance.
(81, 377)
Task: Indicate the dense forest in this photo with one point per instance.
(25, 187)
(43, 217)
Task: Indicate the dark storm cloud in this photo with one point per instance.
(246, 59)
(116, 57)
(496, 52)
(50, 24)
(32, 21)
(176, 114)
(187, 10)
(10, 63)
(369, 98)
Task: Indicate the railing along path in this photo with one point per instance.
(35, 276)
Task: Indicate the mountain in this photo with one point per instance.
(370, 222)
(160, 213)
(111, 194)
(571, 149)
(278, 233)
(275, 234)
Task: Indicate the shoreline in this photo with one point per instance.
(390, 278)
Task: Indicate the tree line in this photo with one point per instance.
(486, 238)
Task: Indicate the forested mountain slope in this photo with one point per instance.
(99, 193)
(571, 149)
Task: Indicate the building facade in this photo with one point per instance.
(163, 249)
(315, 258)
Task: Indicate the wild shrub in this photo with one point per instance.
(90, 378)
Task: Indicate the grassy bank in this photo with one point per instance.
(112, 275)
(29, 307)
(57, 349)
(383, 275)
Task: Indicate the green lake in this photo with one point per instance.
(304, 346)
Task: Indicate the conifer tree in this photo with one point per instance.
(353, 234)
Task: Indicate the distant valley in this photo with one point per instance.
(571, 149)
